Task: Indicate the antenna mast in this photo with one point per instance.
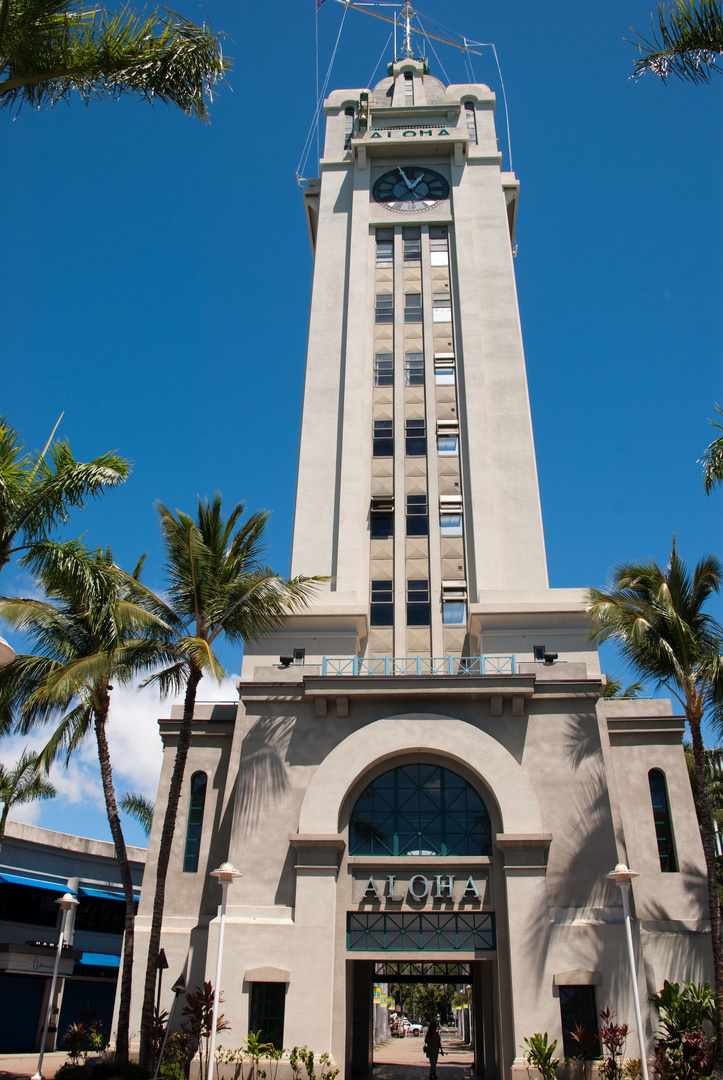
(407, 12)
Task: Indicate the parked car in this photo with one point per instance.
(412, 1027)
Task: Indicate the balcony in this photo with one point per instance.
(420, 665)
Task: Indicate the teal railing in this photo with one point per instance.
(420, 665)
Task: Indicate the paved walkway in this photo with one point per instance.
(403, 1059)
(25, 1065)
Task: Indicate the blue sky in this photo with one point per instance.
(157, 271)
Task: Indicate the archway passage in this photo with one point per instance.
(460, 993)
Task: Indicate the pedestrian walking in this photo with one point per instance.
(433, 1047)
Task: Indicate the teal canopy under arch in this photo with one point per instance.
(420, 810)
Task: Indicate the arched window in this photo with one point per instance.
(195, 822)
(663, 823)
(471, 116)
(420, 810)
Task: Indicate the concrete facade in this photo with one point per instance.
(436, 646)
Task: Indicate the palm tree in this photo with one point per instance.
(138, 807)
(686, 42)
(217, 586)
(613, 688)
(49, 48)
(36, 493)
(21, 784)
(89, 634)
(712, 460)
(656, 617)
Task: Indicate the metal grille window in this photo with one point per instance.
(412, 240)
(408, 88)
(381, 611)
(383, 369)
(417, 515)
(195, 823)
(578, 1009)
(442, 307)
(383, 439)
(414, 369)
(385, 249)
(471, 115)
(409, 932)
(418, 607)
(266, 1012)
(438, 249)
(663, 822)
(412, 307)
(420, 810)
(415, 432)
(384, 308)
(348, 126)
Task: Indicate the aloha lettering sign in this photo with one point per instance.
(420, 887)
(408, 133)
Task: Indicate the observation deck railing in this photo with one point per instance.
(420, 665)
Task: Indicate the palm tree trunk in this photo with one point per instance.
(100, 716)
(706, 829)
(3, 822)
(164, 854)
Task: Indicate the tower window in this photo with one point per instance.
(414, 369)
(383, 441)
(381, 612)
(442, 307)
(348, 126)
(454, 603)
(450, 524)
(383, 369)
(438, 249)
(384, 308)
(412, 239)
(448, 438)
(417, 515)
(381, 518)
(385, 249)
(408, 88)
(471, 115)
(663, 822)
(444, 369)
(415, 432)
(412, 308)
(418, 607)
(195, 823)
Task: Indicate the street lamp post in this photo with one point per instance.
(178, 988)
(226, 875)
(66, 903)
(622, 876)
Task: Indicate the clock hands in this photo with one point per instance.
(404, 177)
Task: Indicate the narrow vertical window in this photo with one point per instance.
(385, 249)
(578, 1009)
(415, 432)
(383, 369)
(381, 611)
(417, 515)
(383, 439)
(408, 88)
(663, 822)
(266, 1012)
(412, 307)
(348, 126)
(471, 115)
(412, 240)
(384, 308)
(195, 823)
(418, 606)
(414, 369)
(438, 250)
(442, 307)
(381, 518)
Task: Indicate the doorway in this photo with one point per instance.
(461, 993)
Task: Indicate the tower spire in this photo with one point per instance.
(407, 12)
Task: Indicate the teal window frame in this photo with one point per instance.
(663, 821)
(194, 828)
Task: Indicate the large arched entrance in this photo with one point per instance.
(423, 807)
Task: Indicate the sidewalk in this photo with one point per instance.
(404, 1059)
(25, 1065)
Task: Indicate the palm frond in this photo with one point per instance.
(686, 43)
(712, 460)
(23, 783)
(139, 807)
(57, 47)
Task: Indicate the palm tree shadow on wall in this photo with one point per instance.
(262, 776)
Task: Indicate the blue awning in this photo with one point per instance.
(36, 883)
(100, 959)
(106, 894)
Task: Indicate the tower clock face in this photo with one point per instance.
(410, 190)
